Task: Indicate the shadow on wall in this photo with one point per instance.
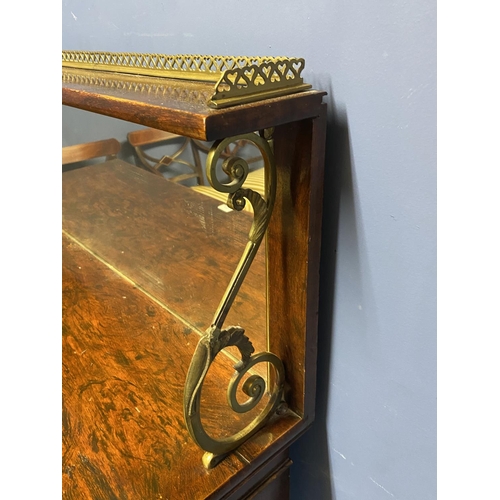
(312, 477)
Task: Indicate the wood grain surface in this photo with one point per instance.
(294, 237)
(125, 360)
(170, 241)
(126, 357)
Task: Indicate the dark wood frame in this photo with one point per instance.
(293, 241)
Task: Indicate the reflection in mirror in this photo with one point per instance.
(147, 211)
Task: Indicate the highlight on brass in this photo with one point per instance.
(237, 79)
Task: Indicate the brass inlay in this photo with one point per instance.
(216, 337)
(237, 79)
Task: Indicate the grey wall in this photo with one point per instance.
(375, 434)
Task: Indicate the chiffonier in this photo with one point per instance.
(190, 323)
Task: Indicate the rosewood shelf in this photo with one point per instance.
(179, 106)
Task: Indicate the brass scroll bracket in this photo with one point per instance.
(216, 337)
(254, 387)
